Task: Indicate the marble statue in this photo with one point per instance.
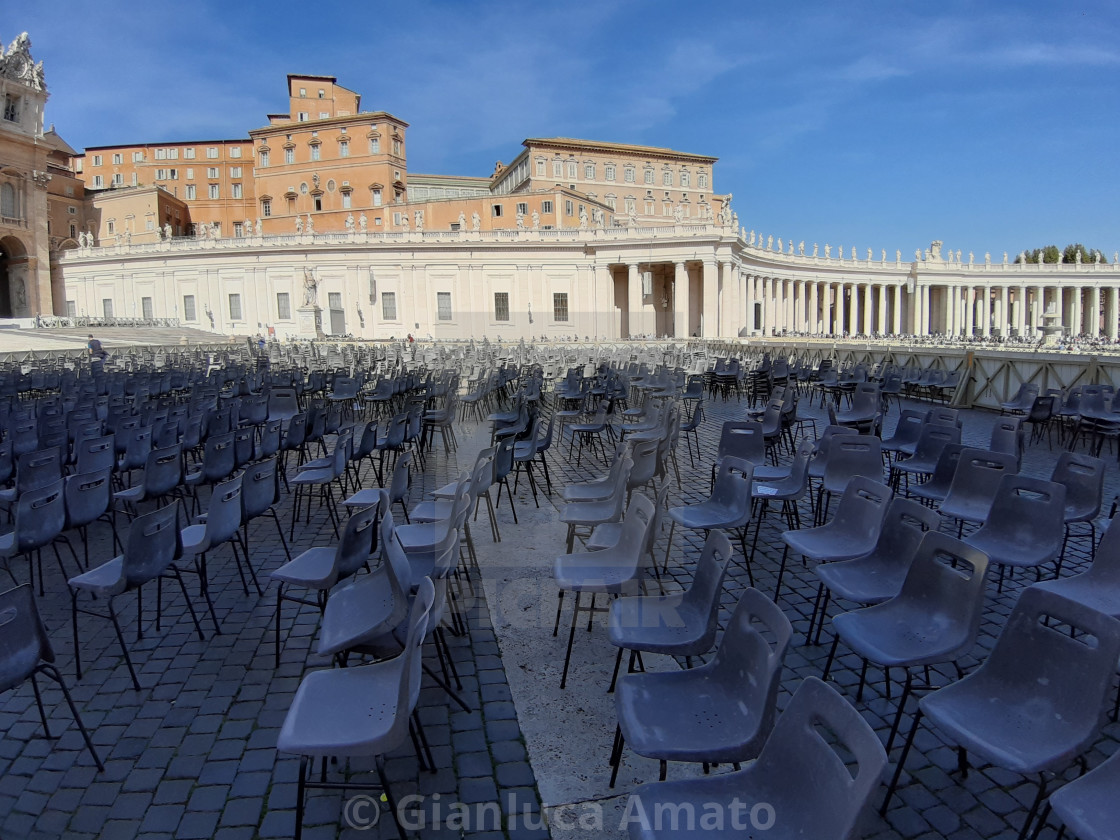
(418, 220)
(987, 258)
(780, 248)
(868, 254)
(583, 218)
(970, 258)
(216, 230)
(299, 224)
(597, 217)
(310, 288)
(770, 243)
(127, 237)
(1096, 258)
(734, 217)
(476, 221)
(1077, 257)
(815, 249)
(751, 238)
(827, 251)
(247, 227)
(883, 258)
(1005, 258)
(520, 220)
(363, 223)
(678, 214)
(462, 220)
(349, 223)
(260, 227)
(790, 251)
(801, 248)
(81, 239)
(310, 224)
(958, 256)
(404, 222)
(536, 217)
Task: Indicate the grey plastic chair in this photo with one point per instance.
(848, 456)
(852, 532)
(611, 571)
(1088, 806)
(975, 484)
(1035, 703)
(25, 652)
(941, 479)
(728, 508)
(1098, 587)
(720, 712)
(680, 624)
(1008, 435)
(906, 433)
(357, 712)
(600, 488)
(1083, 477)
(804, 779)
(319, 568)
(589, 514)
(1024, 528)
(932, 439)
(877, 576)
(789, 491)
(935, 617)
(151, 552)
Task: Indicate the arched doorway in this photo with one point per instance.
(13, 278)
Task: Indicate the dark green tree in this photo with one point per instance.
(1051, 254)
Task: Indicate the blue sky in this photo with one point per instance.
(992, 126)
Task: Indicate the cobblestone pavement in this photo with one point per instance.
(192, 754)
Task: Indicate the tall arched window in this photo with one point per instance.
(8, 206)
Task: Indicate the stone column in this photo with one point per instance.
(970, 311)
(1095, 311)
(896, 293)
(746, 305)
(728, 301)
(868, 308)
(814, 309)
(1076, 325)
(882, 308)
(634, 301)
(1005, 312)
(680, 301)
(711, 300)
(767, 307)
(986, 312)
(1021, 311)
(839, 324)
(853, 320)
(1110, 328)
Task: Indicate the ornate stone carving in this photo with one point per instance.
(16, 63)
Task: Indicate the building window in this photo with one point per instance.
(666, 209)
(589, 171)
(496, 210)
(262, 159)
(212, 152)
(397, 218)
(611, 202)
(702, 180)
(235, 307)
(238, 229)
(283, 306)
(235, 172)
(118, 158)
(684, 179)
(396, 147)
(443, 306)
(289, 156)
(212, 172)
(376, 198)
(71, 309)
(98, 181)
(546, 206)
(118, 179)
(346, 200)
(111, 226)
(190, 173)
(146, 308)
(137, 157)
(629, 175)
(11, 110)
(334, 300)
(214, 191)
(97, 158)
(266, 207)
(322, 94)
(648, 176)
(236, 190)
(324, 115)
(557, 169)
(501, 306)
(303, 92)
(569, 208)
(191, 192)
(318, 202)
(73, 231)
(107, 307)
(540, 168)
(572, 169)
(608, 171)
(667, 178)
(188, 153)
(315, 152)
(343, 149)
(560, 306)
(167, 174)
(375, 145)
(235, 152)
(631, 206)
(9, 207)
(389, 306)
(522, 208)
